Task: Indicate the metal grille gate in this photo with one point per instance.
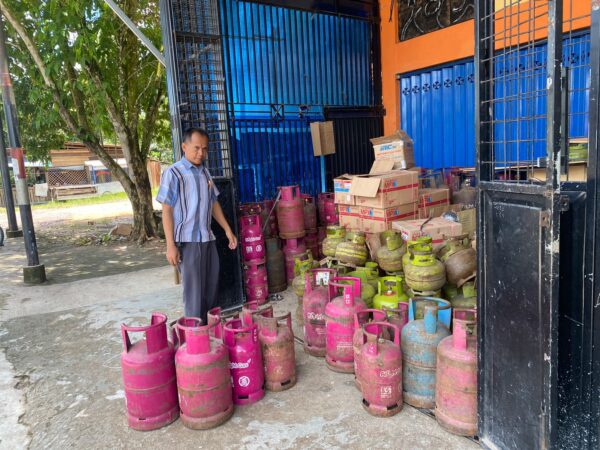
(538, 329)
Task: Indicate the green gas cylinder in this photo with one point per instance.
(391, 252)
(424, 272)
(367, 291)
(423, 240)
(466, 297)
(390, 293)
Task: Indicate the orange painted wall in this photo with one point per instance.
(449, 44)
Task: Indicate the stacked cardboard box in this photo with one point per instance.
(437, 228)
(433, 202)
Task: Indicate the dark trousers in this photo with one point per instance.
(200, 277)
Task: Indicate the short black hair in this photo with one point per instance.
(189, 132)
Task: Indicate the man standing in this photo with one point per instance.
(189, 198)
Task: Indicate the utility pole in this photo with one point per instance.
(13, 228)
(34, 272)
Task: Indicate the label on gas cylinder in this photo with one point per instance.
(344, 344)
(240, 365)
(386, 392)
(244, 381)
(389, 373)
(322, 278)
(315, 316)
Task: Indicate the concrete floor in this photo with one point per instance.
(60, 381)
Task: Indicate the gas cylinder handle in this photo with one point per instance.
(214, 318)
(371, 337)
(197, 337)
(430, 317)
(347, 290)
(356, 284)
(393, 327)
(368, 313)
(156, 333)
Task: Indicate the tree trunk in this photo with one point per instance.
(144, 225)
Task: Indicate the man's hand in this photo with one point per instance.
(233, 242)
(173, 255)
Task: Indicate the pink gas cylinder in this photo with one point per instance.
(268, 216)
(321, 205)
(316, 297)
(245, 361)
(203, 378)
(277, 343)
(148, 373)
(253, 309)
(456, 373)
(322, 234)
(310, 214)
(292, 249)
(397, 316)
(253, 242)
(331, 212)
(339, 323)
(381, 384)
(358, 340)
(312, 243)
(257, 285)
(290, 213)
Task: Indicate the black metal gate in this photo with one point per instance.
(537, 223)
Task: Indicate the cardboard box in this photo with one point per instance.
(322, 138)
(432, 202)
(437, 228)
(350, 217)
(341, 190)
(397, 147)
(468, 220)
(385, 190)
(377, 220)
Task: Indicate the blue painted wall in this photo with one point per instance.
(438, 109)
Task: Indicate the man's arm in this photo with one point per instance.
(168, 224)
(217, 213)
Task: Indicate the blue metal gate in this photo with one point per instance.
(437, 106)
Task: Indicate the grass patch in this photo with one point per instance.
(98, 200)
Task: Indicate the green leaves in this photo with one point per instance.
(72, 35)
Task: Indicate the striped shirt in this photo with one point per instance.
(191, 192)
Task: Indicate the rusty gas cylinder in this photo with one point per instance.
(456, 380)
(339, 323)
(316, 297)
(203, 377)
(389, 255)
(256, 281)
(330, 209)
(269, 216)
(358, 340)
(290, 213)
(353, 252)
(420, 339)
(252, 310)
(335, 236)
(381, 357)
(424, 242)
(292, 248)
(424, 272)
(397, 316)
(148, 373)
(302, 264)
(323, 196)
(276, 276)
(466, 297)
(322, 234)
(312, 243)
(277, 343)
(310, 213)
(459, 258)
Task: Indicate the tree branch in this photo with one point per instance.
(84, 134)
